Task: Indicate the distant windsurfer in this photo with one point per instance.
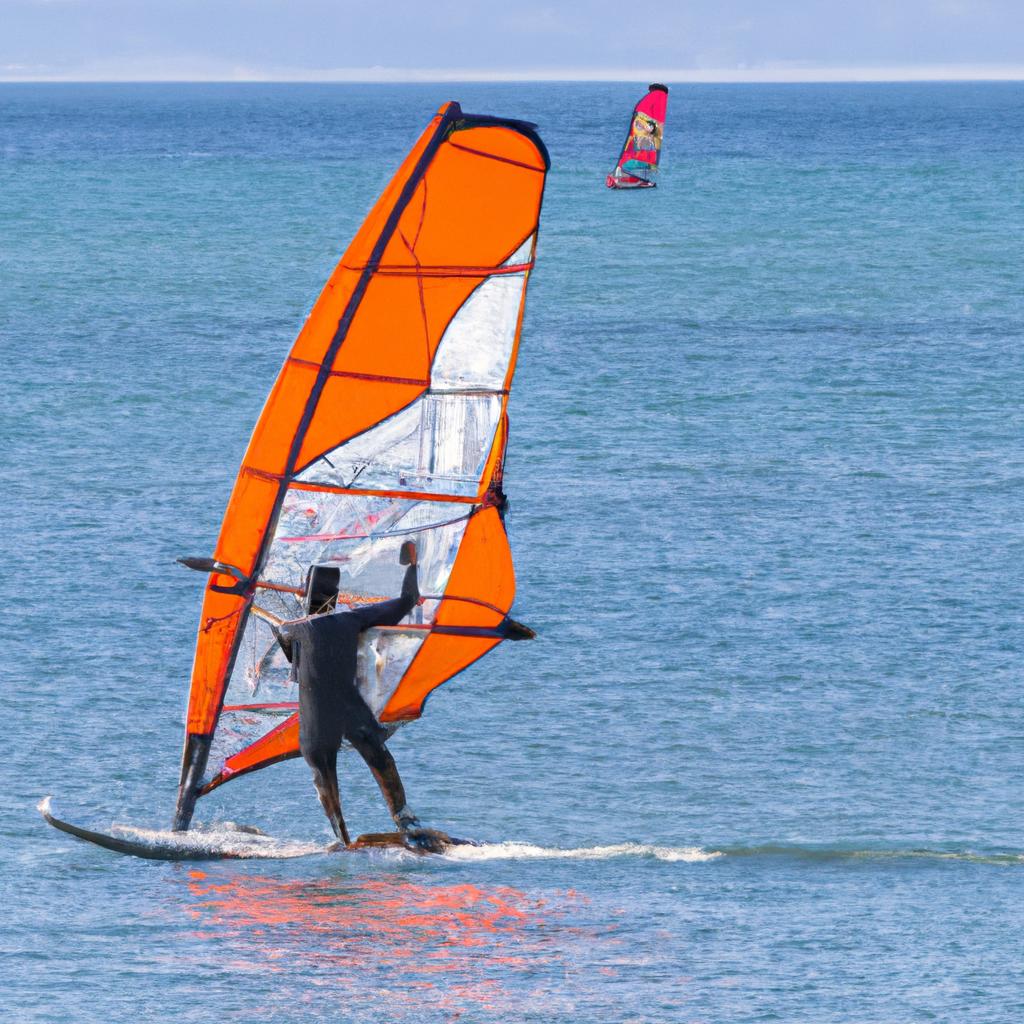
(322, 649)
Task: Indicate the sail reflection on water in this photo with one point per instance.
(386, 939)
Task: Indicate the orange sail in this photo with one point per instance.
(388, 421)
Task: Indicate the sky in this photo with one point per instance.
(438, 40)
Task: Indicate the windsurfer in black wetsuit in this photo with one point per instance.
(322, 649)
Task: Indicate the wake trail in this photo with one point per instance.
(700, 855)
(848, 853)
(527, 851)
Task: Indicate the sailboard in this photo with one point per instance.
(637, 166)
(229, 841)
(387, 422)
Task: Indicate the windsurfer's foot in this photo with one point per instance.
(418, 838)
(426, 840)
(406, 820)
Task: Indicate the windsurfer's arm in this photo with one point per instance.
(390, 613)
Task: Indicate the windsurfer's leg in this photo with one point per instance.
(325, 779)
(380, 762)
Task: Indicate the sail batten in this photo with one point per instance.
(446, 271)
(303, 485)
(387, 420)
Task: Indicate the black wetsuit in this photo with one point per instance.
(322, 649)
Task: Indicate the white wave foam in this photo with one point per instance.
(526, 851)
(221, 840)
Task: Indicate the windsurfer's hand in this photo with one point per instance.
(516, 630)
(407, 556)
(284, 640)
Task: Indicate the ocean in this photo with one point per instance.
(763, 762)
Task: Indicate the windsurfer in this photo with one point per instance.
(322, 650)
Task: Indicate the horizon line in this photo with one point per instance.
(777, 74)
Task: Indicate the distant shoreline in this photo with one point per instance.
(394, 76)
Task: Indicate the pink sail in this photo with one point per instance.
(638, 162)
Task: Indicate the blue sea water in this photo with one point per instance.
(764, 761)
